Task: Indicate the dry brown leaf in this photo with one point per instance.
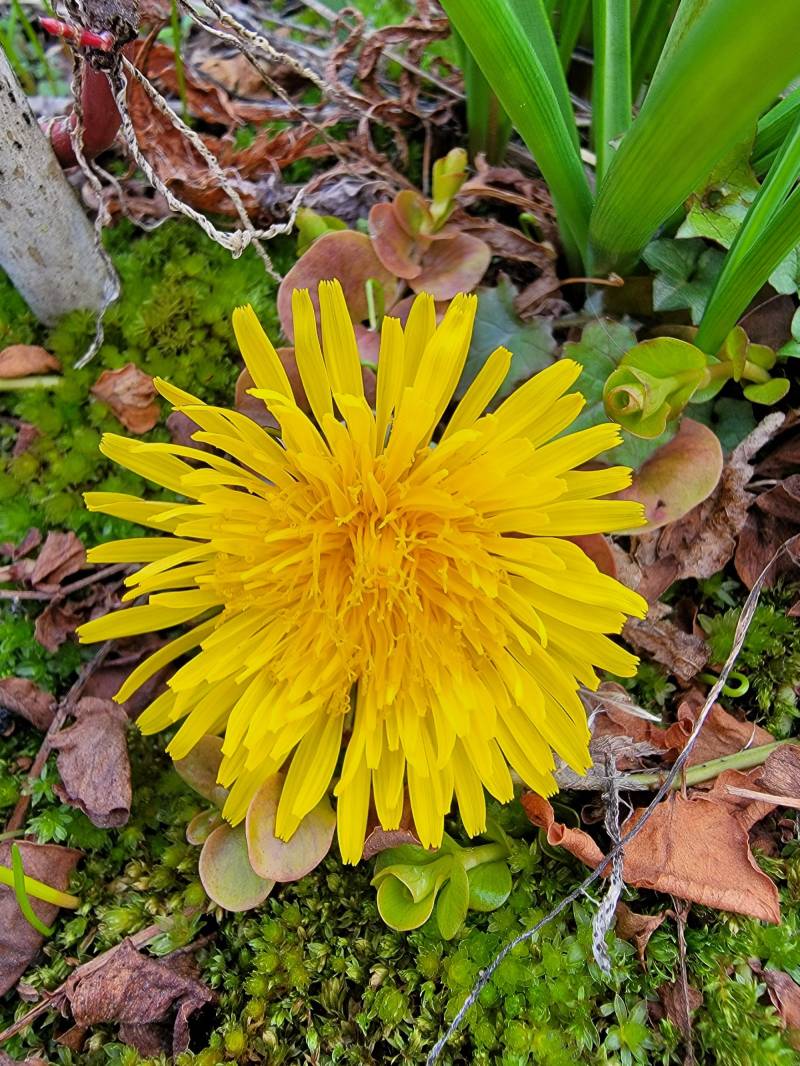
(62, 555)
(780, 774)
(20, 360)
(773, 520)
(683, 654)
(701, 543)
(722, 734)
(150, 1000)
(23, 697)
(181, 428)
(26, 435)
(676, 1004)
(93, 762)
(19, 941)
(785, 995)
(576, 841)
(57, 622)
(131, 395)
(695, 848)
(637, 928)
(379, 839)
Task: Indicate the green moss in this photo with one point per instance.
(173, 320)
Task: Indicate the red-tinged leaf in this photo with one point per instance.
(678, 475)
(286, 860)
(348, 256)
(200, 767)
(226, 873)
(394, 246)
(454, 263)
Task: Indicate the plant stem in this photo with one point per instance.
(39, 890)
(705, 771)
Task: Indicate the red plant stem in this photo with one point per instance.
(100, 120)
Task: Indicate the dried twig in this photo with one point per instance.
(65, 590)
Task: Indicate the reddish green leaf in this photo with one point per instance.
(226, 873)
(398, 250)
(454, 263)
(200, 768)
(286, 860)
(347, 256)
(201, 826)
(679, 475)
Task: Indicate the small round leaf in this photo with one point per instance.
(286, 860)
(200, 767)
(768, 392)
(489, 886)
(202, 825)
(226, 873)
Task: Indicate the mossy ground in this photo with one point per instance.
(314, 976)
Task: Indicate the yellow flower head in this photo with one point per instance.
(356, 589)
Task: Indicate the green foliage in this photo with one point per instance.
(412, 880)
(770, 656)
(497, 324)
(685, 272)
(173, 320)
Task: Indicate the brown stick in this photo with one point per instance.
(67, 590)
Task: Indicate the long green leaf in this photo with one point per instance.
(648, 34)
(611, 85)
(573, 16)
(772, 130)
(488, 126)
(730, 63)
(523, 82)
(751, 257)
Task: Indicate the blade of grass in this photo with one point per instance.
(488, 126)
(772, 130)
(763, 233)
(573, 16)
(611, 84)
(522, 81)
(649, 32)
(36, 46)
(730, 63)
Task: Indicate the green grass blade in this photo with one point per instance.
(536, 25)
(752, 256)
(489, 127)
(573, 16)
(649, 32)
(730, 63)
(772, 131)
(501, 45)
(611, 85)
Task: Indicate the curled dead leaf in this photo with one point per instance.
(150, 1000)
(20, 360)
(62, 554)
(679, 1004)
(131, 395)
(23, 697)
(637, 928)
(695, 848)
(683, 654)
(93, 762)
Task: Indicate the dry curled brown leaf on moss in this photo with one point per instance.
(784, 992)
(21, 360)
(93, 762)
(19, 941)
(773, 519)
(694, 847)
(637, 928)
(152, 1001)
(130, 395)
(683, 654)
(61, 555)
(22, 697)
(678, 1007)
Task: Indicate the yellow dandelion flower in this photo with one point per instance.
(358, 590)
